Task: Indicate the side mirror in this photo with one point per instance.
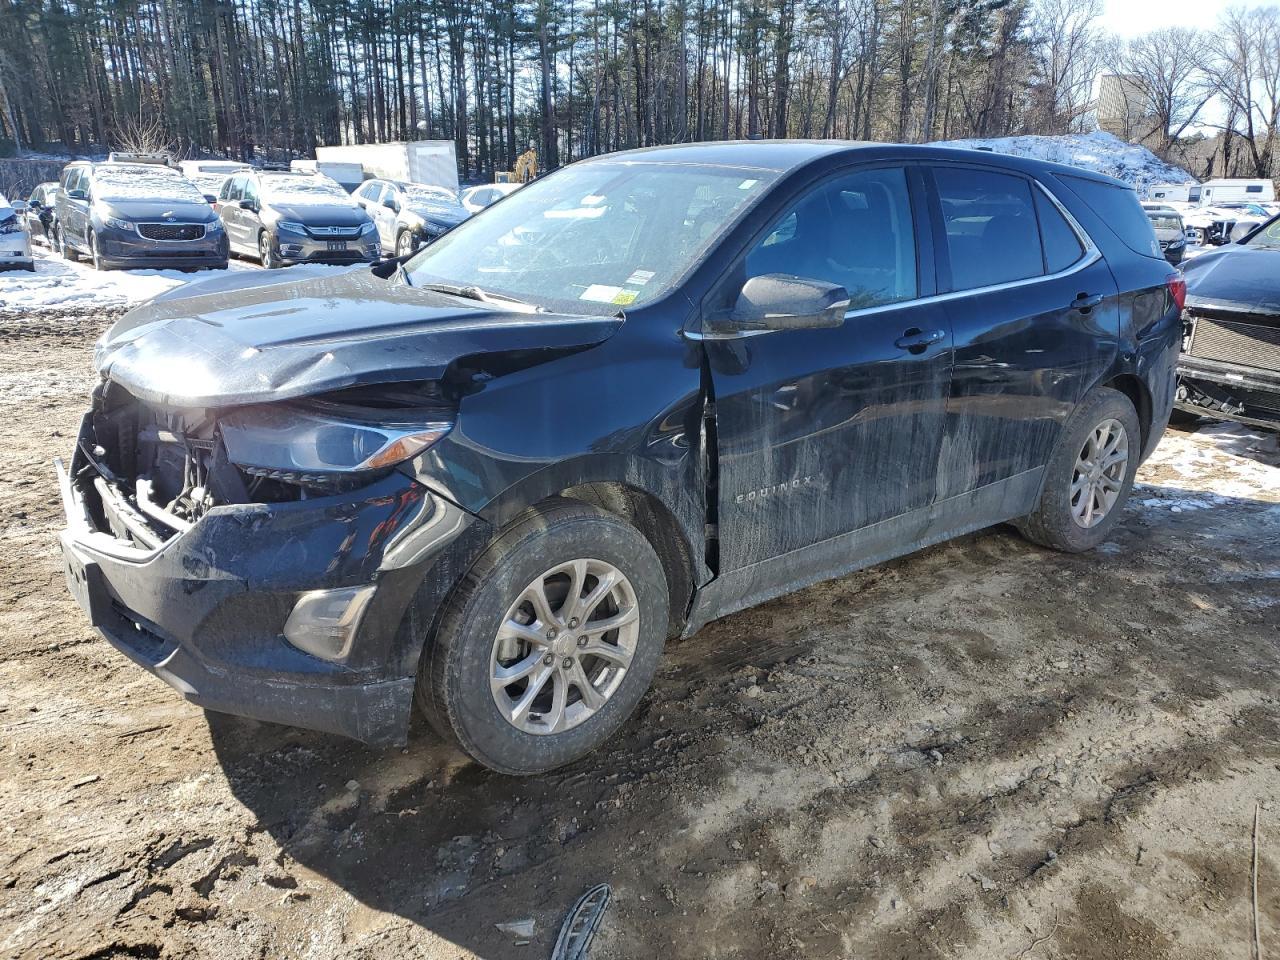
(779, 301)
(77, 194)
(246, 204)
(389, 203)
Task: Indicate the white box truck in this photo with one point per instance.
(433, 162)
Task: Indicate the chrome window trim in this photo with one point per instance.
(1090, 256)
(137, 228)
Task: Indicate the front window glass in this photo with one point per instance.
(142, 181)
(991, 227)
(418, 193)
(594, 237)
(292, 188)
(1268, 237)
(854, 231)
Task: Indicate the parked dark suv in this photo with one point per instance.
(135, 215)
(289, 217)
(1230, 364)
(639, 394)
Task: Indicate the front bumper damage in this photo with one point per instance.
(206, 609)
(1227, 391)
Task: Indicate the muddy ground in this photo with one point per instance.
(981, 750)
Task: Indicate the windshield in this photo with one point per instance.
(291, 188)
(421, 193)
(594, 237)
(1268, 237)
(142, 182)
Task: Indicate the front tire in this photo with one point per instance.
(268, 256)
(406, 243)
(65, 250)
(548, 644)
(95, 255)
(1088, 478)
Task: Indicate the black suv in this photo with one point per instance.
(641, 393)
(1230, 366)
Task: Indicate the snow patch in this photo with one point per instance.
(1100, 152)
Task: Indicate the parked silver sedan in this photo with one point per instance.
(409, 215)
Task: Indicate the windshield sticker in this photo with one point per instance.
(601, 293)
(747, 184)
(639, 278)
(625, 297)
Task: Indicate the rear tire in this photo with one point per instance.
(492, 626)
(1088, 478)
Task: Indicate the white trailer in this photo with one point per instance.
(433, 162)
(348, 175)
(1223, 190)
(1174, 192)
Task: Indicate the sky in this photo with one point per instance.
(1131, 17)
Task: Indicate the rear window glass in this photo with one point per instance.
(991, 227)
(1119, 208)
(1062, 247)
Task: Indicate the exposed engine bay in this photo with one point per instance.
(154, 472)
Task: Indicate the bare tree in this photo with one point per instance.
(1070, 49)
(1165, 71)
(1244, 70)
(142, 135)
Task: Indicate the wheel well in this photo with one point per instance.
(1136, 391)
(656, 523)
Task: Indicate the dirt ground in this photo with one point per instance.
(981, 750)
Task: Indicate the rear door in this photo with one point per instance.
(1035, 315)
(822, 432)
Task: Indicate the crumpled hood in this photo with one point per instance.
(268, 341)
(1241, 279)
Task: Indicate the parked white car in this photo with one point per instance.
(476, 199)
(15, 240)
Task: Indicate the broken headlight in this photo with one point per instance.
(317, 440)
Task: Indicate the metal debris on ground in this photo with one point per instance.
(580, 926)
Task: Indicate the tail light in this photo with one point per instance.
(1177, 285)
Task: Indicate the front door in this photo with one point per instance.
(823, 432)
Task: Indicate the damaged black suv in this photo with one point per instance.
(644, 392)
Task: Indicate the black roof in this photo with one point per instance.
(782, 156)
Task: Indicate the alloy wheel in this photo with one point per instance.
(564, 646)
(1099, 473)
(266, 250)
(405, 244)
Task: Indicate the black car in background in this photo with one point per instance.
(641, 393)
(39, 213)
(135, 215)
(1230, 363)
(288, 216)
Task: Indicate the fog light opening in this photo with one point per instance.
(324, 622)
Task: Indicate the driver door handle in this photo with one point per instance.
(1085, 302)
(916, 340)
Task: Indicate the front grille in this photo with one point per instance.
(171, 231)
(1227, 341)
(1258, 400)
(334, 233)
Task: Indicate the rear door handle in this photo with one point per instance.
(916, 340)
(1085, 302)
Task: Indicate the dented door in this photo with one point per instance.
(821, 432)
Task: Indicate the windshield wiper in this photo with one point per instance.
(472, 292)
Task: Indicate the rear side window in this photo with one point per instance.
(1119, 208)
(991, 227)
(1062, 247)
